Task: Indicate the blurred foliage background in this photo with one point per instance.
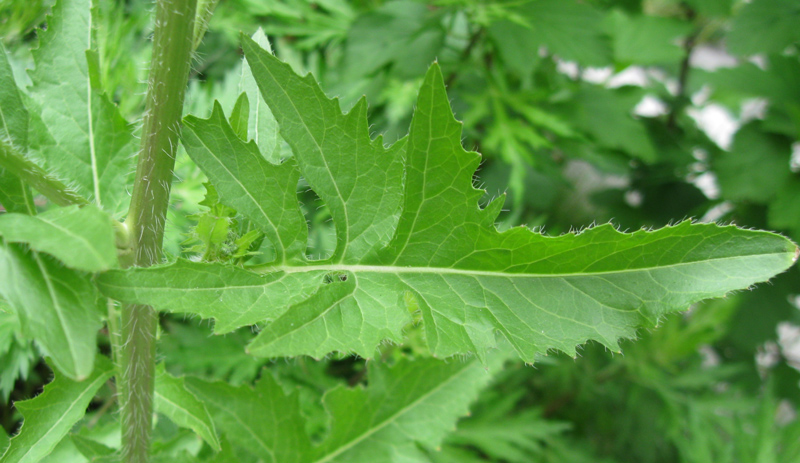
(635, 112)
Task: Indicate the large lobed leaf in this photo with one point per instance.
(412, 403)
(411, 236)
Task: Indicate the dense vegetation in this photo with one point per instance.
(586, 113)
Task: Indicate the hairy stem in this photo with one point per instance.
(169, 71)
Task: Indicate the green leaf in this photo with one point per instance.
(84, 139)
(405, 34)
(13, 114)
(15, 196)
(414, 402)
(261, 124)
(226, 455)
(191, 349)
(439, 252)
(357, 177)
(784, 211)
(240, 115)
(57, 307)
(712, 7)
(245, 181)
(14, 163)
(50, 415)
(646, 40)
(775, 22)
(93, 450)
(82, 238)
(16, 354)
(617, 129)
(261, 420)
(568, 28)
(756, 166)
(179, 405)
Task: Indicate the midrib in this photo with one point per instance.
(493, 273)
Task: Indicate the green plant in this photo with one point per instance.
(416, 261)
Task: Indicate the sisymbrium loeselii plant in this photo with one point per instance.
(416, 254)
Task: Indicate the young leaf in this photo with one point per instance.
(183, 408)
(433, 248)
(82, 238)
(57, 307)
(414, 402)
(50, 415)
(83, 139)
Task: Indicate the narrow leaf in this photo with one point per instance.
(82, 238)
(57, 307)
(179, 405)
(50, 415)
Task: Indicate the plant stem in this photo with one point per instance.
(169, 71)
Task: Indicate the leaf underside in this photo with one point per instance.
(411, 236)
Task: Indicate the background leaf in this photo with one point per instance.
(82, 238)
(50, 415)
(174, 401)
(57, 307)
(412, 402)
